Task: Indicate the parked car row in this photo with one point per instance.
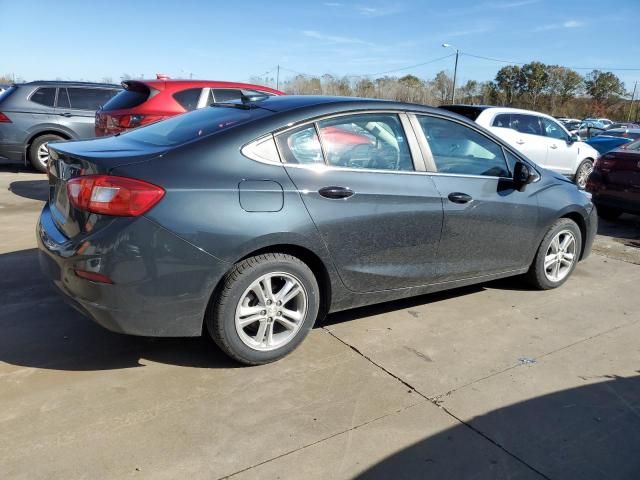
(36, 113)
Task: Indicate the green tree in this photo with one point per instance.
(533, 80)
(442, 86)
(603, 85)
(562, 85)
(507, 81)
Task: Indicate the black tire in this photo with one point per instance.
(536, 276)
(220, 316)
(607, 213)
(38, 142)
(583, 172)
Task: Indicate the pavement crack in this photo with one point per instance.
(438, 403)
(303, 447)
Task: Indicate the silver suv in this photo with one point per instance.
(36, 113)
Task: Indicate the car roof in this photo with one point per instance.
(623, 130)
(167, 84)
(66, 83)
(293, 102)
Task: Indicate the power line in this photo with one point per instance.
(410, 66)
(513, 62)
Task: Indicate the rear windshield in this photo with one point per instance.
(470, 112)
(8, 92)
(189, 126)
(128, 98)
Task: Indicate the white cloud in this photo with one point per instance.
(335, 39)
(557, 26)
(332, 4)
(367, 11)
(462, 33)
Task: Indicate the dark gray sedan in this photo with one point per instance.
(251, 220)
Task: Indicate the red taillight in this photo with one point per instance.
(110, 195)
(4, 118)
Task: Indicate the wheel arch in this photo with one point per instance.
(582, 225)
(305, 254)
(48, 131)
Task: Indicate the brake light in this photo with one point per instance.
(134, 120)
(111, 195)
(4, 118)
(93, 276)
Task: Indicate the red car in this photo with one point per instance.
(147, 101)
(615, 182)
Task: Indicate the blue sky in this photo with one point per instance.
(226, 40)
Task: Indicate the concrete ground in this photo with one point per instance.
(487, 382)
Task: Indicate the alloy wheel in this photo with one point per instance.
(583, 174)
(271, 311)
(43, 154)
(560, 256)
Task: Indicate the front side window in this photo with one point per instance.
(529, 124)
(44, 96)
(88, 98)
(369, 141)
(188, 99)
(553, 130)
(301, 146)
(458, 149)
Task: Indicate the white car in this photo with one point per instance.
(538, 136)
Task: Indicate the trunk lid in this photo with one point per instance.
(71, 159)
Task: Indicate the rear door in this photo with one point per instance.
(488, 226)
(76, 107)
(522, 132)
(380, 219)
(561, 154)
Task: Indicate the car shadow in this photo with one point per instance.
(32, 189)
(40, 330)
(626, 228)
(587, 432)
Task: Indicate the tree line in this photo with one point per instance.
(553, 89)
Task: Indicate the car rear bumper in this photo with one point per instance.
(161, 284)
(618, 202)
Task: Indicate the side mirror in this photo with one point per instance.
(573, 139)
(523, 175)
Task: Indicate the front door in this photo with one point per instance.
(488, 226)
(380, 220)
(561, 154)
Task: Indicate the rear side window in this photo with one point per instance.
(369, 141)
(301, 146)
(44, 96)
(529, 124)
(503, 120)
(458, 149)
(188, 99)
(88, 98)
(222, 95)
(129, 98)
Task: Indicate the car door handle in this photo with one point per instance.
(554, 146)
(65, 114)
(336, 192)
(520, 142)
(457, 197)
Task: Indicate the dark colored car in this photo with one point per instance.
(147, 101)
(36, 113)
(615, 182)
(251, 221)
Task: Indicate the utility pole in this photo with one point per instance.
(633, 96)
(278, 78)
(455, 71)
